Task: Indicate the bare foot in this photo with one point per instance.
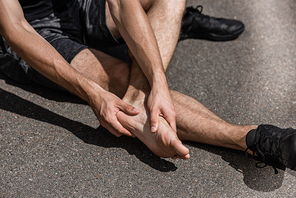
(164, 143)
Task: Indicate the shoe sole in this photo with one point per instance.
(212, 36)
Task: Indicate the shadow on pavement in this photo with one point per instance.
(100, 136)
(47, 93)
(260, 179)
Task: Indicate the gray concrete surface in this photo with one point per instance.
(52, 146)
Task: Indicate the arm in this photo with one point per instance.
(135, 28)
(38, 53)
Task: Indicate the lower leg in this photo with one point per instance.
(165, 18)
(194, 123)
(197, 123)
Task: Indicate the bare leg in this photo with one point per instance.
(166, 18)
(194, 121)
(197, 123)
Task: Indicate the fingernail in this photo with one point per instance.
(153, 129)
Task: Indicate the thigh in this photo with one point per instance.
(110, 73)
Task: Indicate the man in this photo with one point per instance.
(132, 100)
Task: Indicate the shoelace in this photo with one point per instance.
(201, 8)
(198, 9)
(190, 10)
(260, 164)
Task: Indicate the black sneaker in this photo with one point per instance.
(274, 144)
(200, 26)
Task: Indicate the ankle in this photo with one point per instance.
(245, 131)
(237, 136)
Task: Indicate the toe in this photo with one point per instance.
(181, 150)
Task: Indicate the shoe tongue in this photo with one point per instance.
(250, 139)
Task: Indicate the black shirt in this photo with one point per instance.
(37, 9)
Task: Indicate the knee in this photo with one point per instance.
(177, 6)
(174, 7)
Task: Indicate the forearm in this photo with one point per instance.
(136, 30)
(39, 54)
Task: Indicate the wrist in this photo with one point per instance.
(159, 81)
(93, 92)
(87, 90)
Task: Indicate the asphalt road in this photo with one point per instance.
(52, 146)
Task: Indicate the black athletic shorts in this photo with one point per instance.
(76, 26)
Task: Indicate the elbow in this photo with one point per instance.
(23, 25)
(15, 27)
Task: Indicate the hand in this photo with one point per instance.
(160, 104)
(105, 106)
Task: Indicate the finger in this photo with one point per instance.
(117, 129)
(128, 109)
(153, 122)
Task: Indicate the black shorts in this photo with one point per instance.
(78, 25)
